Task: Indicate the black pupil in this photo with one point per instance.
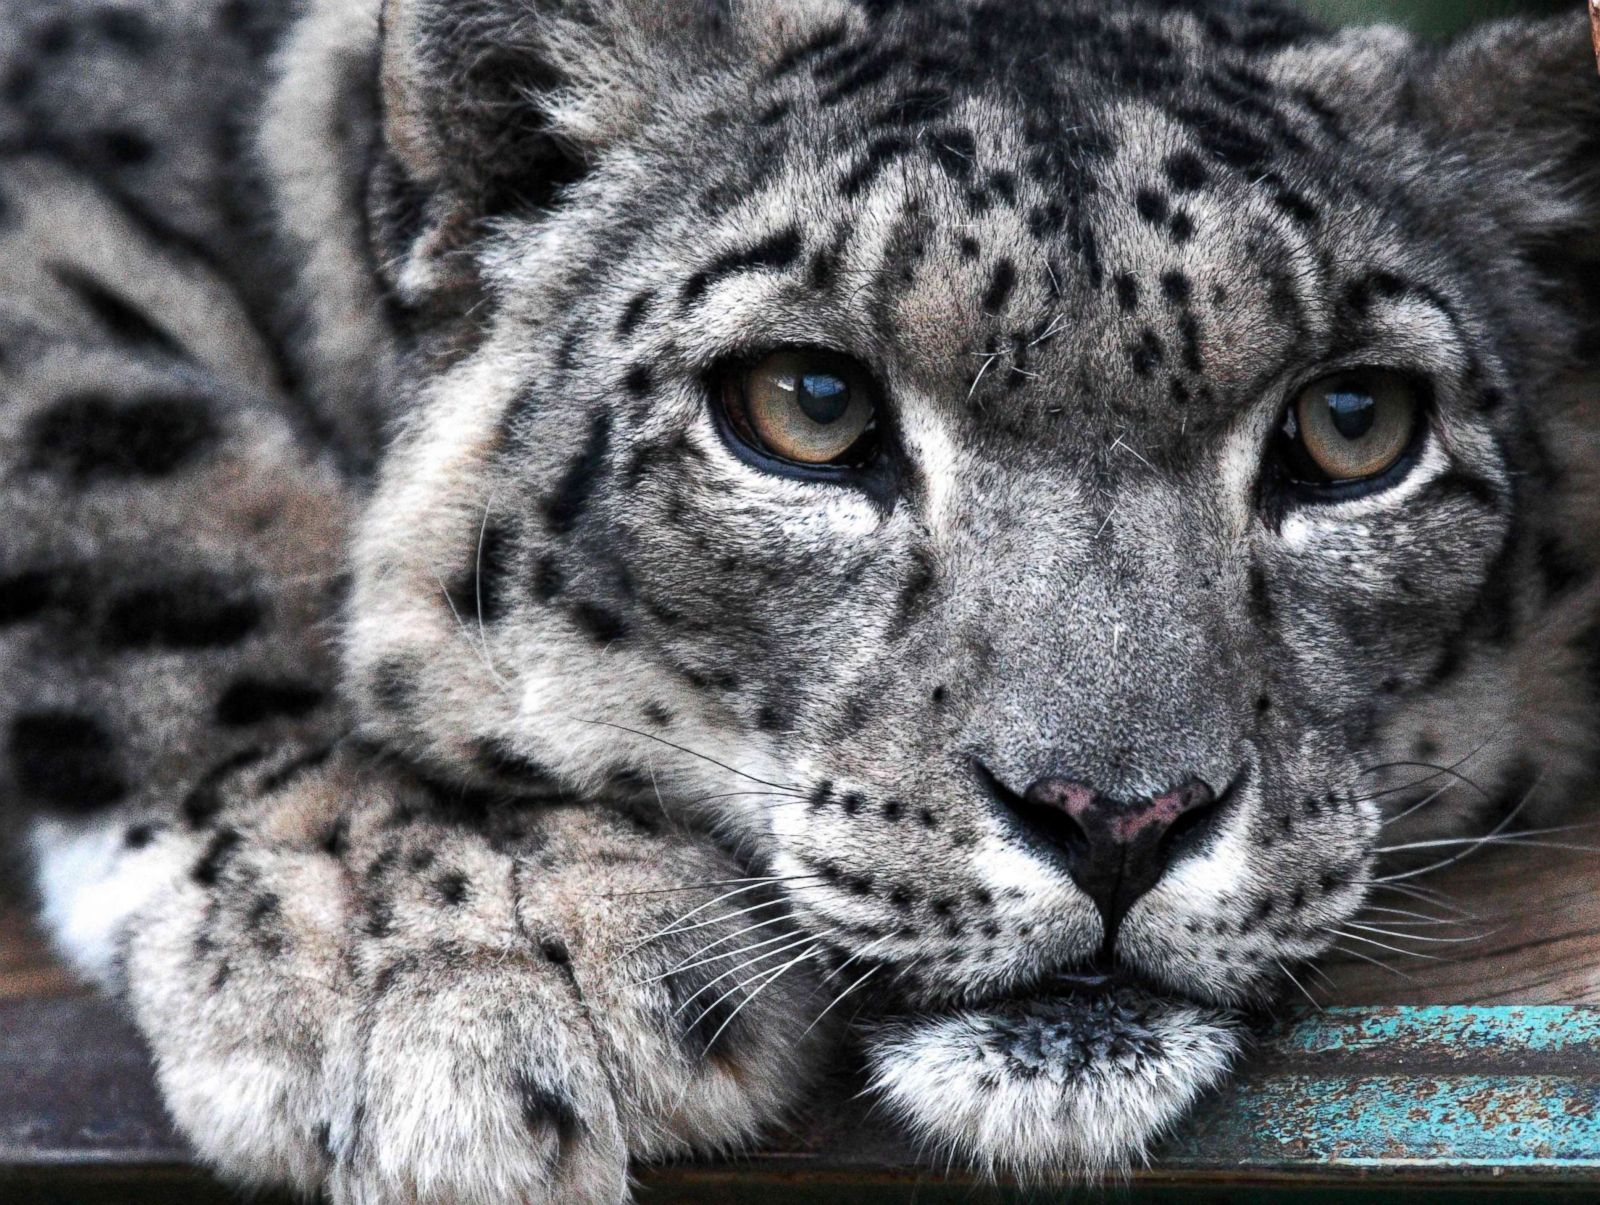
(1353, 413)
(823, 397)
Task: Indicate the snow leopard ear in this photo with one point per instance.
(501, 102)
(494, 106)
(1519, 103)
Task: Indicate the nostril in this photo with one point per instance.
(1188, 832)
(1199, 819)
(1049, 820)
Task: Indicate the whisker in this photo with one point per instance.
(772, 977)
(1503, 838)
(1452, 941)
(741, 968)
(1290, 974)
(1377, 962)
(1498, 829)
(661, 740)
(616, 895)
(837, 999)
(681, 967)
(675, 926)
(1392, 949)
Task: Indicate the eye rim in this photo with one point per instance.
(1329, 490)
(872, 470)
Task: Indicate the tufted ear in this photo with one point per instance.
(1520, 102)
(493, 106)
(490, 106)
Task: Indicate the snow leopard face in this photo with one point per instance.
(1025, 472)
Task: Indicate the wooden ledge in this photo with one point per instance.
(1365, 1101)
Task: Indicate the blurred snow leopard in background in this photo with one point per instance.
(572, 565)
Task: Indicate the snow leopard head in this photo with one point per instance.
(1028, 473)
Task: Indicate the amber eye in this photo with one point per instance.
(809, 407)
(1350, 427)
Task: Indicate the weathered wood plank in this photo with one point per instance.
(1512, 1093)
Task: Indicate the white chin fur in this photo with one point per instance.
(1078, 1085)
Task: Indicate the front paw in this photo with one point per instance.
(1076, 1085)
(475, 1078)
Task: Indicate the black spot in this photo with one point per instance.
(139, 835)
(1146, 355)
(200, 610)
(1189, 340)
(1187, 172)
(122, 320)
(637, 382)
(1296, 206)
(55, 36)
(565, 507)
(1175, 287)
(555, 951)
(927, 819)
(547, 579)
(1181, 227)
(122, 147)
(380, 919)
(880, 153)
(1001, 282)
(256, 700)
(775, 252)
(503, 761)
(25, 595)
(545, 1107)
(66, 760)
(658, 714)
(125, 28)
(204, 799)
(922, 580)
(968, 247)
(821, 794)
(336, 840)
(851, 803)
(1151, 205)
(601, 623)
(146, 436)
(479, 594)
(635, 312)
(1127, 292)
(218, 850)
(939, 695)
(294, 768)
(452, 887)
(392, 684)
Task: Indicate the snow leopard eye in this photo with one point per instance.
(1348, 433)
(806, 407)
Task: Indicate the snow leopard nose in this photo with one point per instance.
(1115, 850)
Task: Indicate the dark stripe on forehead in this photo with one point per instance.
(775, 252)
(881, 152)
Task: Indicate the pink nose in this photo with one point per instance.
(1115, 850)
(1124, 823)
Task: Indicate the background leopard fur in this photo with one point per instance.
(473, 773)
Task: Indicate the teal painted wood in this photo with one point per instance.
(1411, 1089)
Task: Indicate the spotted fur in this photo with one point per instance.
(473, 773)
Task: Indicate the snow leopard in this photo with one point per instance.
(574, 568)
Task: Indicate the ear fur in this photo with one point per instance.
(1520, 102)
